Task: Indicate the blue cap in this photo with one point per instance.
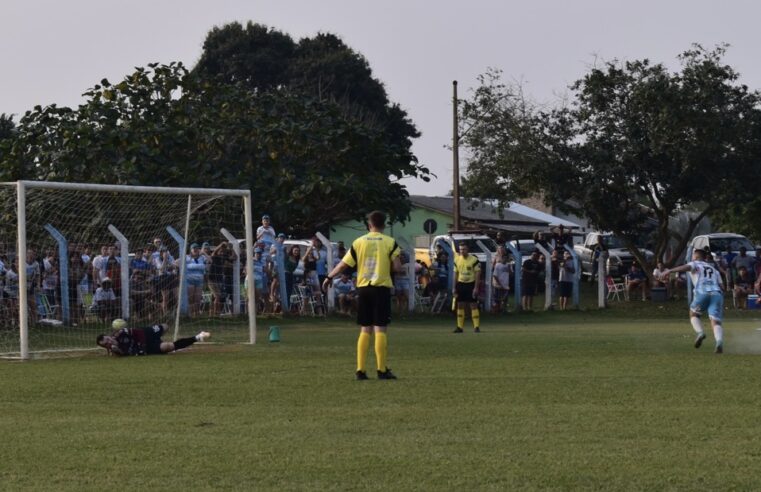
(194, 246)
(206, 245)
(281, 235)
(265, 216)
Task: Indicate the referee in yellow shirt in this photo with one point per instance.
(374, 255)
(468, 273)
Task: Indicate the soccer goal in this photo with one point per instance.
(73, 257)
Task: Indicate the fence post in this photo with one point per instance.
(576, 274)
(235, 243)
(123, 268)
(487, 279)
(63, 269)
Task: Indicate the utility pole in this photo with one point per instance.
(455, 159)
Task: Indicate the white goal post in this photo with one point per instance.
(64, 217)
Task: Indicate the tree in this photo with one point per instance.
(636, 143)
(323, 67)
(305, 162)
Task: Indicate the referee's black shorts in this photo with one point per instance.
(373, 306)
(464, 291)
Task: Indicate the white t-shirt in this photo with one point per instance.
(266, 234)
(103, 295)
(502, 274)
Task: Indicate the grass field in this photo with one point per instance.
(611, 400)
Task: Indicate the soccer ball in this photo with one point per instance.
(118, 324)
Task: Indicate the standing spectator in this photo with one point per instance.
(540, 238)
(310, 266)
(440, 269)
(598, 250)
(743, 287)
(141, 261)
(112, 270)
(501, 239)
(260, 278)
(206, 252)
(265, 232)
(33, 279)
(529, 280)
(562, 238)
(77, 272)
(291, 265)
(402, 283)
(97, 266)
(50, 279)
(165, 279)
(565, 278)
(501, 284)
(322, 259)
(195, 272)
(555, 273)
(222, 257)
(636, 279)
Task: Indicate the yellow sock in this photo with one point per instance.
(475, 314)
(362, 345)
(460, 317)
(381, 350)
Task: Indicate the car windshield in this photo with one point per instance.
(727, 244)
(612, 242)
(473, 246)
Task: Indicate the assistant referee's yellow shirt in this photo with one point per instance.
(372, 254)
(466, 268)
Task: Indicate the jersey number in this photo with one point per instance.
(708, 272)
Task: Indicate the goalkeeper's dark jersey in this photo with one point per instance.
(138, 341)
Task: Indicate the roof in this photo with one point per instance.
(479, 211)
(539, 215)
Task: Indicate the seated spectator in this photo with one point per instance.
(501, 283)
(743, 287)
(345, 292)
(743, 261)
(104, 301)
(636, 279)
(657, 282)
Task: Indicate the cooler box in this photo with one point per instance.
(658, 294)
(753, 302)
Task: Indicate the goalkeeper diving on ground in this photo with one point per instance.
(126, 341)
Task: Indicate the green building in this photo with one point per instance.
(474, 215)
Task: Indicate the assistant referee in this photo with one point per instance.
(374, 255)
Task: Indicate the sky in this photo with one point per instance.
(52, 50)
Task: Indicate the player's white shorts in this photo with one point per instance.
(710, 302)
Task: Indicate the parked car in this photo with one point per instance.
(471, 239)
(620, 259)
(722, 243)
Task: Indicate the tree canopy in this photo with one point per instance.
(635, 142)
(308, 162)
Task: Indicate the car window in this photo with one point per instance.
(473, 246)
(730, 244)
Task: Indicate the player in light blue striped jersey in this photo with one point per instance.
(708, 296)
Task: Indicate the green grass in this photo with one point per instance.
(553, 400)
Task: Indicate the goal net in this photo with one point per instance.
(76, 256)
